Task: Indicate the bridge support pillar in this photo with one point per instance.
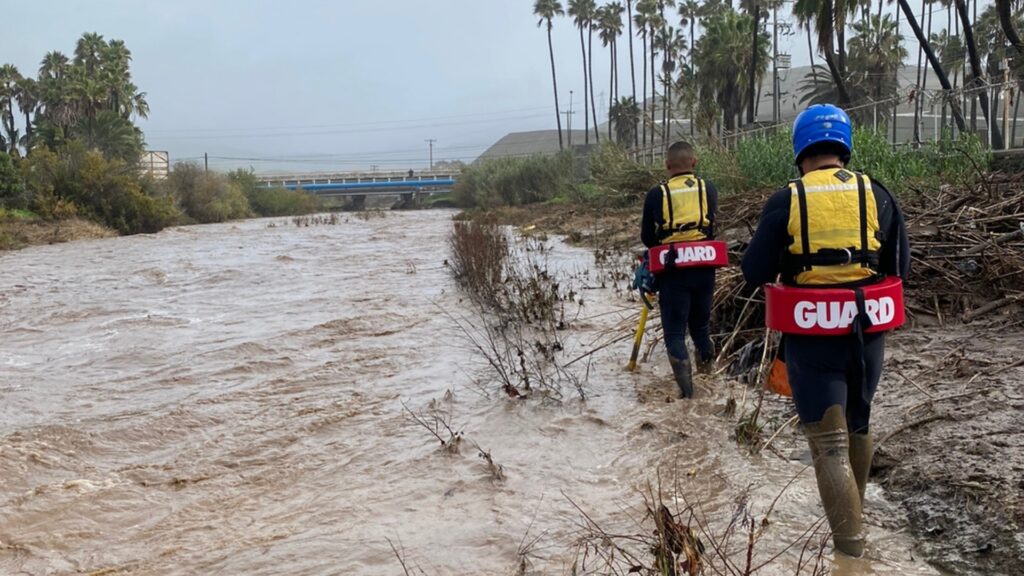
(357, 202)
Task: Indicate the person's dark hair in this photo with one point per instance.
(825, 149)
(681, 153)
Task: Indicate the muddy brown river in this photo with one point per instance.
(228, 399)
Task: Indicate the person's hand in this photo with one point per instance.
(643, 279)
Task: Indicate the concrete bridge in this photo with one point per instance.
(366, 183)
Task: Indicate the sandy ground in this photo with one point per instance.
(946, 417)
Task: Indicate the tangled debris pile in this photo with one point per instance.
(968, 249)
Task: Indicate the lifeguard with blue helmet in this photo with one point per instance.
(831, 250)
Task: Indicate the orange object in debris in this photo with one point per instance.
(778, 381)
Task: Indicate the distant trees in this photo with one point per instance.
(703, 64)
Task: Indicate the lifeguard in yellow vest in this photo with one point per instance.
(836, 241)
(678, 226)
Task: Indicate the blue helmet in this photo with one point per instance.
(822, 123)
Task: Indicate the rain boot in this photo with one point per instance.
(861, 452)
(683, 372)
(706, 363)
(830, 450)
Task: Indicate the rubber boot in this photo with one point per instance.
(861, 452)
(705, 364)
(683, 372)
(830, 450)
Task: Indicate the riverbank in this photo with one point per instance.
(17, 233)
(945, 419)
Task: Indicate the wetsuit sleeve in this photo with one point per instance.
(894, 257)
(712, 193)
(762, 259)
(651, 219)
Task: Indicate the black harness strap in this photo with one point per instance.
(863, 201)
(671, 218)
(860, 325)
(700, 204)
(805, 239)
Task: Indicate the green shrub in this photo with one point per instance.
(78, 181)
(515, 181)
(618, 178)
(206, 196)
(275, 201)
(12, 188)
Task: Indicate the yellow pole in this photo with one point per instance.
(638, 338)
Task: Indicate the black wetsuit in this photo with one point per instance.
(825, 370)
(684, 295)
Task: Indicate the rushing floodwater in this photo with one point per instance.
(227, 399)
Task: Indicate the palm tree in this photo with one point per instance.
(112, 135)
(27, 93)
(950, 50)
(591, 24)
(9, 77)
(1003, 8)
(995, 48)
(672, 44)
(632, 64)
(939, 72)
(689, 11)
(89, 51)
(821, 14)
(724, 57)
(972, 51)
(54, 65)
(876, 53)
(644, 12)
(609, 19)
(582, 12)
(547, 10)
(654, 23)
(625, 114)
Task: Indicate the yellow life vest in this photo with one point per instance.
(834, 230)
(684, 210)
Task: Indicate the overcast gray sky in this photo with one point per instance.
(313, 85)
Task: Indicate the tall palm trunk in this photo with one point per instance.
(917, 85)
(643, 106)
(751, 109)
(654, 91)
(905, 6)
(924, 78)
(810, 52)
(632, 64)
(586, 103)
(693, 24)
(896, 104)
(611, 87)
(1006, 20)
(826, 33)
(972, 51)
(590, 72)
(554, 83)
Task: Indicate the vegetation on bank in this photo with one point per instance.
(611, 177)
(76, 154)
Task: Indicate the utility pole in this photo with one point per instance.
(206, 162)
(568, 119)
(430, 142)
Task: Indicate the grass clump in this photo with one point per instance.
(515, 181)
